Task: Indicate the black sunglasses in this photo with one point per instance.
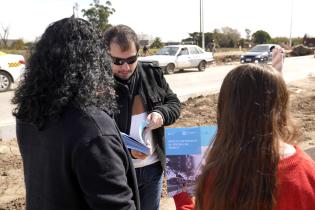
(121, 61)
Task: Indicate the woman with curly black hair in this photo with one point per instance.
(72, 151)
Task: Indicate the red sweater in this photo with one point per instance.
(296, 177)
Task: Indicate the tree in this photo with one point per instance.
(233, 36)
(18, 44)
(297, 41)
(196, 38)
(280, 40)
(157, 43)
(98, 14)
(208, 38)
(188, 40)
(226, 37)
(247, 31)
(4, 36)
(261, 37)
(242, 42)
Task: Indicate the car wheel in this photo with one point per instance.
(170, 68)
(202, 66)
(5, 81)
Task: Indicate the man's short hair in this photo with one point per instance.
(121, 35)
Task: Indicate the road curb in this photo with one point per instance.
(183, 98)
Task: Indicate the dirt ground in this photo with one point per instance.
(196, 111)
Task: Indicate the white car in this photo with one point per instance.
(179, 57)
(11, 68)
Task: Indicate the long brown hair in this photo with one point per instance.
(240, 169)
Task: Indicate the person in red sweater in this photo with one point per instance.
(251, 165)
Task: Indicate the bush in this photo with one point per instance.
(226, 57)
(301, 50)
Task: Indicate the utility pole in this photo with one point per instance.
(75, 10)
(290, 40)
(201, 25)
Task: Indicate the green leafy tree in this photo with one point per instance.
(196, 38)
(157, 43)
(208, 38)
(280, 40)
(98, 14)
(261, 37)
(242, 42)
(297, 41)
(189, 39)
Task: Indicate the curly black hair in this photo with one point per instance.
(69, 66)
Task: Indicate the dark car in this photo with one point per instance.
(261, 53)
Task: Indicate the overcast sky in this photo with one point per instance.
(171, 20)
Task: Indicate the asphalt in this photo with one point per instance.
(185, 85)
(7, 121)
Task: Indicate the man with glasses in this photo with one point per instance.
(143, 95)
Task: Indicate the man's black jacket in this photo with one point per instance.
(78, 162)
(156, 95)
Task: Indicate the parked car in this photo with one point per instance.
(179, 57)
(261, 53)
(11, 68)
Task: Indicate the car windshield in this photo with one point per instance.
(259, 48)
(167, 51)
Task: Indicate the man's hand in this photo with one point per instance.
(138, 155)
(277, 58)
(155, 120)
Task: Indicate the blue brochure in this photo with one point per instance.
(185, 149)
(188, 141)
(134, 144)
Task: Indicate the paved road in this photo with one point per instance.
(193, 82)
(186, 84)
